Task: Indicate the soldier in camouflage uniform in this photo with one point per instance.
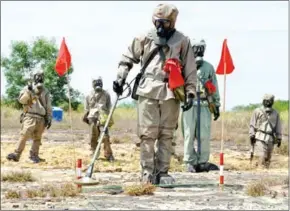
(98, 105)
(265, 130)
(36, 117)
(157, 107)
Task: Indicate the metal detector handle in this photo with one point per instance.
(129, 91)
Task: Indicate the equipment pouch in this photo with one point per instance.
(179, 93)
(135, 87)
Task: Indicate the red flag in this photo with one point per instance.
(173, 67)
(63, 60)
(226, 58)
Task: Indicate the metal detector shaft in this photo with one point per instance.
(89, 172)
(198, 119)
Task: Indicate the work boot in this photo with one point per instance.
(147, 178)
(206, 167)
(36, 159)
(165, 179)
(13, 156)
(190, 168)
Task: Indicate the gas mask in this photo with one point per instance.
(268, 102)
(163, 27)
(98, 85)
(198, 51)
(38, 79)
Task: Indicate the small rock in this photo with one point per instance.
(15, 206)
(274, 194)
(25, 205)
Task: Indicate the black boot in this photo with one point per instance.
(110, 158)
(206, 167)
(36, 159)
(13, 156)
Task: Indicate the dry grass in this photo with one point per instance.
(263, 186)
(256, 188)
(12, 194)
(62, 156)
(140, 189)
(63, 190)
(17, 176)
(283, 149)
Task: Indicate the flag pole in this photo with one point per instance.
(70, 113)
(223, 117)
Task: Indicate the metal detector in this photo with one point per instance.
(88, 180)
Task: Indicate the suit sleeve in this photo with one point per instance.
(131, 57)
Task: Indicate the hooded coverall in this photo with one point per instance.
(189, 120)
(157, 108)
(98, 103)
(33, 123)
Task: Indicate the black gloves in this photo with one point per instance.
(188, 102)
(216, 114)
(47, 123)
(279, 142)
(118, 88)
(85, 118)
(253, 139)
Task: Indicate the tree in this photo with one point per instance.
(26, 57)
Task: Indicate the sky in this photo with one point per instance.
(97, 33)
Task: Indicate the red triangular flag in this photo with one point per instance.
(63, 60)
(226, 58)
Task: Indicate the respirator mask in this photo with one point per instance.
(98, 85)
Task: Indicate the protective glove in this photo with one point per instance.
(217, 113)
(48, 123)
(85, 118)
(188, 102)
(279, 142)
(118, 86)
(253, 139)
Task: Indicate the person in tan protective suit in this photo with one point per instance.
(158, 106)
(36, 117)
(265, 130)
(97, 107)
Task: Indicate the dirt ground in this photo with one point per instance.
(60, 154)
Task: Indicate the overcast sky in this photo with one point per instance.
(97, 33)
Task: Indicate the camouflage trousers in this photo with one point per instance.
(31, 128)
(156, 122)
(94, 135)
(264, 151)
